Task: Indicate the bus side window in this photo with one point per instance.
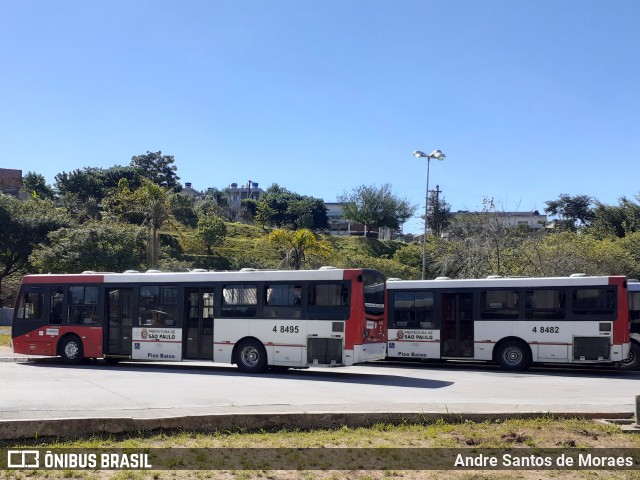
(329, 295)
(158, 306)
(56, 301)
(282, 301)
(239, 301)
(30, 306)
(83, 303)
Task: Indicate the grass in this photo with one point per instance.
(5, 337)
(546, 432)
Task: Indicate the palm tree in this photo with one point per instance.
(299, 247)
(154, 202)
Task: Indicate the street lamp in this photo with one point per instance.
(438, 155)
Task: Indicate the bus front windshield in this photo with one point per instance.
(373, 292)
(634, 311)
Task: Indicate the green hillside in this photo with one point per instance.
(246, 247)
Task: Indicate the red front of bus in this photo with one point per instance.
(41, 320)
(622, 323)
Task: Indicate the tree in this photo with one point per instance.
(184, 210)
(35, 185)
(158, 168)
(120, 204)
(480, 244)
(284, 209)
(83, 190)
(264, 214)
(376, 207)
(97, 246)
(248, 209)
(615, 220)
(299, 247)
(23, 226)
(82, 184)
(277, 199)
(308, 212)
(571, 210)
(154, 202)
(212, 231)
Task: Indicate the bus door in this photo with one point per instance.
(198, 341)
(119, 314)
(457, 325)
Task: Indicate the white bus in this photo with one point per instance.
(512, 321)
(255, 319)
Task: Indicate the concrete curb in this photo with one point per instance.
(21, 429)
(17, 358)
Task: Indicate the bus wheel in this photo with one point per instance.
(251, 356)
(71, 351)
(633, 360)
(513, 356)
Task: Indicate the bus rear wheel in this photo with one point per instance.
(633, 360)
(72, 351)
(513, 356)
(251, 356)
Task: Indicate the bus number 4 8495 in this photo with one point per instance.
(286, 329)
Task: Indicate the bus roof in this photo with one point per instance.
(504, 282)
(245, 275)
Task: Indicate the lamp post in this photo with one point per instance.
(438, 155)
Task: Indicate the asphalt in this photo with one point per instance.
(61, 423)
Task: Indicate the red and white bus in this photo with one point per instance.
(253, 318)
(512, 321)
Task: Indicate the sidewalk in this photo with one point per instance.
(7, 355)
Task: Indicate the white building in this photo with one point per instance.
(338, 225)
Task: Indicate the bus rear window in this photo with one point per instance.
(594, 301)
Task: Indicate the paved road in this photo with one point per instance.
(45, 389)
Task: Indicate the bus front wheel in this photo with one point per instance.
(513, 356)
(71, 351)
(251, 356)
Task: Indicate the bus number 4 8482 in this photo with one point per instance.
(546, 329)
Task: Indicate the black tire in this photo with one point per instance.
(251, 356)
(513, 356)
(633, 360)
(72, 351)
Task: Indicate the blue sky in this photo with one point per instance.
(527, 98)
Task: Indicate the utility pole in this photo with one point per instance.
(436, 209)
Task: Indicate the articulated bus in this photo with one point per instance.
(252, 318)
(512, 321)
(633, 360)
